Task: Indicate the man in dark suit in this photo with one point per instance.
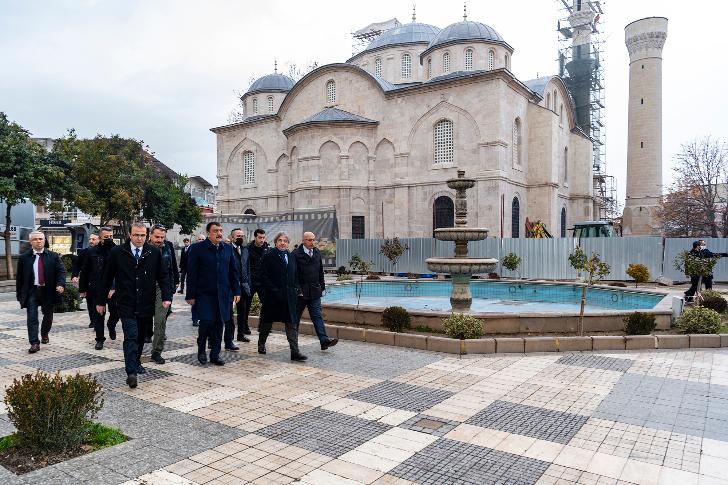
(183, 264)
(135, 269)
(257, 248)
(40, 281)
(157, 238)
(310, 272)
(240, 250)
(91, 283)
(78, 263)
(213, 286)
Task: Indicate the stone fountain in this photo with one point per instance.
(461, 267)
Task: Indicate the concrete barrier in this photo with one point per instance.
(541, 344)
(409, 340)
(702, 341)
(509, 345)
(608, 342)
(444, 344)
(639, 342)
(673, 341)
(572, 344)
(480, 346)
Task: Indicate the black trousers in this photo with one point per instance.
(96, 318)
(134, 331)
(91, 308)
(694, 280)
(182, 278)
(212, 331)
(242, 320)
(35, 300)
(254, 290)
(113, 313)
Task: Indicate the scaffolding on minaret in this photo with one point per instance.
(581, 65)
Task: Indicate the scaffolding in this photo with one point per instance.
(581, 65)
(363, 37)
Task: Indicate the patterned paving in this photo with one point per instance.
(369, 414)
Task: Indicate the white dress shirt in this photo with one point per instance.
(36, 256)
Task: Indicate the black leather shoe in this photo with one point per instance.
(141, 370)
(112, 333)
(195, 323)
(131, 380)
(44, 339)
(157, 357)
(217, 361)
(248, 332)
(147, 340)
(298, 357)
(329, 343)
(34, 348)
(99, 346)
(243, 338)
(261, 350)
(202, 358)
(232, 347)
(90, 325)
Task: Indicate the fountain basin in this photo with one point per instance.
(461, 233)
(461, 266)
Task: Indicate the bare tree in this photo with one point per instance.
(696, 204)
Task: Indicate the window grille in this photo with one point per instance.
(469, 59)
(516, 142)
(270, 104)
(255, 106)
(515, 217)
(378, 67)
(446, 62)
(406, 66)
(429, 68)
(444, 146)
(248, 167)
(491, 60)
(357, 227)
(331, 91)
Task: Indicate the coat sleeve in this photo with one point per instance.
(192, 265)
(175, 270)
(234, 273)
(107, 280)
(85, 270)
(265, 277)
(322, 280)
(60, 271)
(78, 263)
(20, 277)
(165, 285)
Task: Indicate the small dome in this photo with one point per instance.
(464, 31)
(404, 34)
(272, 83)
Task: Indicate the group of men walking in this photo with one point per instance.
(135, 281)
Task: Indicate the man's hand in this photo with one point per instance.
(82, 295)
(166, 304)
(236, 299)
(190, 302)
(101, 309)
(74, 280)
(111, 293)
(59, 290)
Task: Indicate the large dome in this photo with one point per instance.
(404, 34)
(465, 31)
(272, 83)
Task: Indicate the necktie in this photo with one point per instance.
(284, 258)
(41, 271)
(136, 254)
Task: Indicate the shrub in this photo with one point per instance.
(69, 301)
(393, 249)
(52, 413)
(511, 261)
(343, 277)
(618, 284)
(711, 294)
(698, 319)
(396, 318)
(425, 328)
(255, 305)
(373, 277)
(639, 273)
(341, 270)
(459, 325)
(714, 301)
(639, 323)
(67, 260)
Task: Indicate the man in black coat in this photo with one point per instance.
(135, 269)
(183, 264)
(157, 238)
(91, 283)
(701, 250)
(242, 257)
(311, 283)
(78, 263)
(257, 248)
(40, 281)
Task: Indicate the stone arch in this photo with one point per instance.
(441, 110)
(282, 174)
(234, 165)
(383, 168)
(358, 163)
(329, 162)
(443, 212)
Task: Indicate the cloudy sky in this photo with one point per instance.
(165, 71)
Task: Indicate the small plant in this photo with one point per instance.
(698, 319)
(393, 249)
(69, 301)
(255, 305)
(373, 277)
(425, 328)
(639, 273)
(595, 269)
(343, 277)
(67, 260)
(341, 270)
(358, 265)
(396, 318)
(691, 265)
(639, 323)
(52, 413)
(714, 300)
(618, 284)
(511, 262)
(459, 325)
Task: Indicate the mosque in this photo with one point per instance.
(375, 138)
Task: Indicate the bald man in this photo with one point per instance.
(310, 272)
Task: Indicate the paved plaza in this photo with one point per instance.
(364, 413)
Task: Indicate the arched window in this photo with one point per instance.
(444, 146)
(515, 217)
(468, 59)
(548, 100)
(563, 222)
(270, 104)
(406, 66)
(556, 99)
(508, 62)
(491, 60)
(248, 167)
(429, 68)
(378, 67)
(443, 213)
(249, 212)
(446, 62)
(516, 141)
(255, 106)
(566, 164)
(331, 91)
(561, 114)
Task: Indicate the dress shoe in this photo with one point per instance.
(232, 347)
(329, 343)
(298, 357)
(217, 361)
(90, 325)
(261, 349)
(99, 346)
(243, 338)
(157, 357)
(112, 333)
(44, 339)
(141, 369)
(131, 380)
(195, 323)
(147, 340)
(34, 348)
(202, 358)
(247, 332)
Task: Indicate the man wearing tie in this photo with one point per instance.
(183, 264)
(240, 251)
(40, 281)
(310, 272)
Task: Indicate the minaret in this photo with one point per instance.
(644, 39)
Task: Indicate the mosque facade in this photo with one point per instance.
(376, 137)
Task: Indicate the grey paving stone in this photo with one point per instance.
(52, 364)
(401, 396)
(535, 422)
(4, 336)
(5, 361)
(191, 359)
(454, 462)
(427, 424)
(596, 361)
(170, 345)
(117, 377)
(324, 432)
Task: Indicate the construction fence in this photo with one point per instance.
(541, 258)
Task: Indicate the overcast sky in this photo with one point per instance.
(166, 71)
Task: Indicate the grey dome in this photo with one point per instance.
(272, 83)
(464, 31)
(404, 34)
